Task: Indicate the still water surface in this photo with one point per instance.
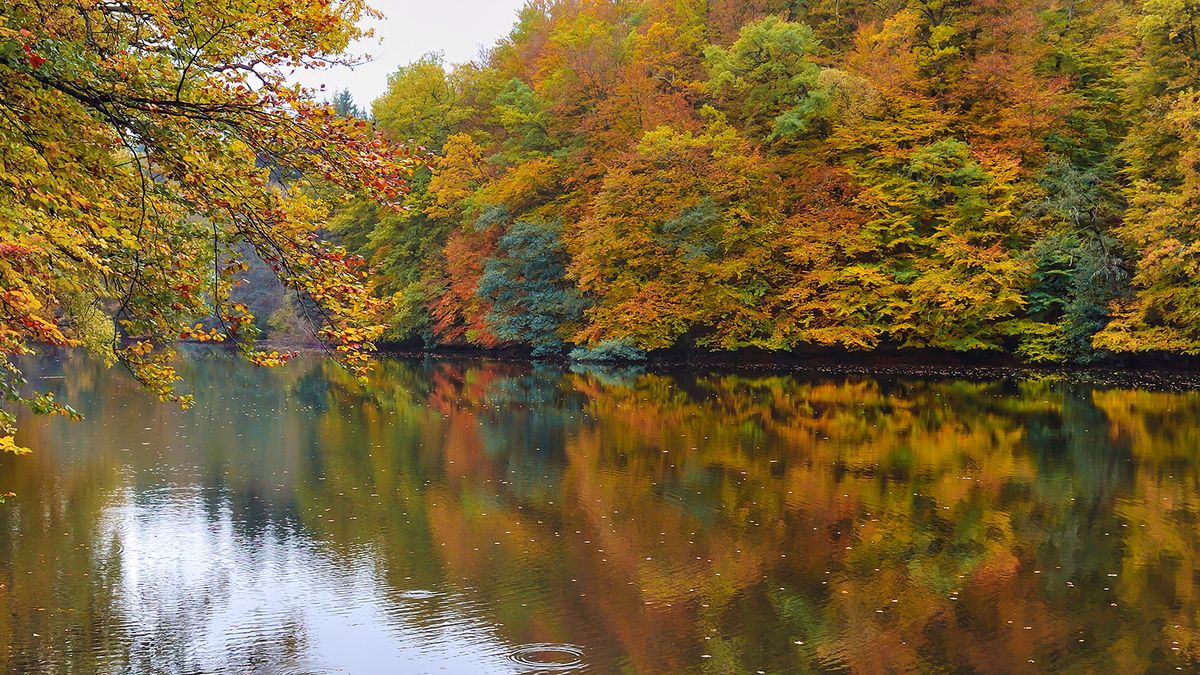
(469, 517)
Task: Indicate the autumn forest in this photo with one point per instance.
(1010, 176)
(631, 344)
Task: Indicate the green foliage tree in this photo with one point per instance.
(1079, 269)
(769, 78)
(343, 104)
(531, 300)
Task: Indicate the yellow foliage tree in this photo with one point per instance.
(144, 148)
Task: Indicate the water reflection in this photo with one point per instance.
(482, 517)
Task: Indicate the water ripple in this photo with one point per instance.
(548, 657)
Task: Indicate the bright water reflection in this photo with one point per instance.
(481, 517)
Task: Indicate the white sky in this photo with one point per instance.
(411, 28)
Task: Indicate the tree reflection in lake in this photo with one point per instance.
(453, 512)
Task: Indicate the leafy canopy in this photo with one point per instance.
(148, 147)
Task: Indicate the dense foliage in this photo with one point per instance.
(1004, 175)
(149, 151)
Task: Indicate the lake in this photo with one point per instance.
(473, 516)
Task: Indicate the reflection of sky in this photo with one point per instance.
(205, 596)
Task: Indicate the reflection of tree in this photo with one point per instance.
(769, 522)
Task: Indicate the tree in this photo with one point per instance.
(946, 221)
(421, 104)
(343, 104)
(531, 300)
(769, 78)
(678, 241)
(1164, 312)
(1161, 154)
(1079, 268)
(144, 148)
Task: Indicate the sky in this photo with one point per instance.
(458, 29)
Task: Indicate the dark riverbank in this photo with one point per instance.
(1155, 371)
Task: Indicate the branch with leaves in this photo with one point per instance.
(146, 149)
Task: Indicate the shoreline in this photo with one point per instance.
(913, 363)
(1171, 372)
